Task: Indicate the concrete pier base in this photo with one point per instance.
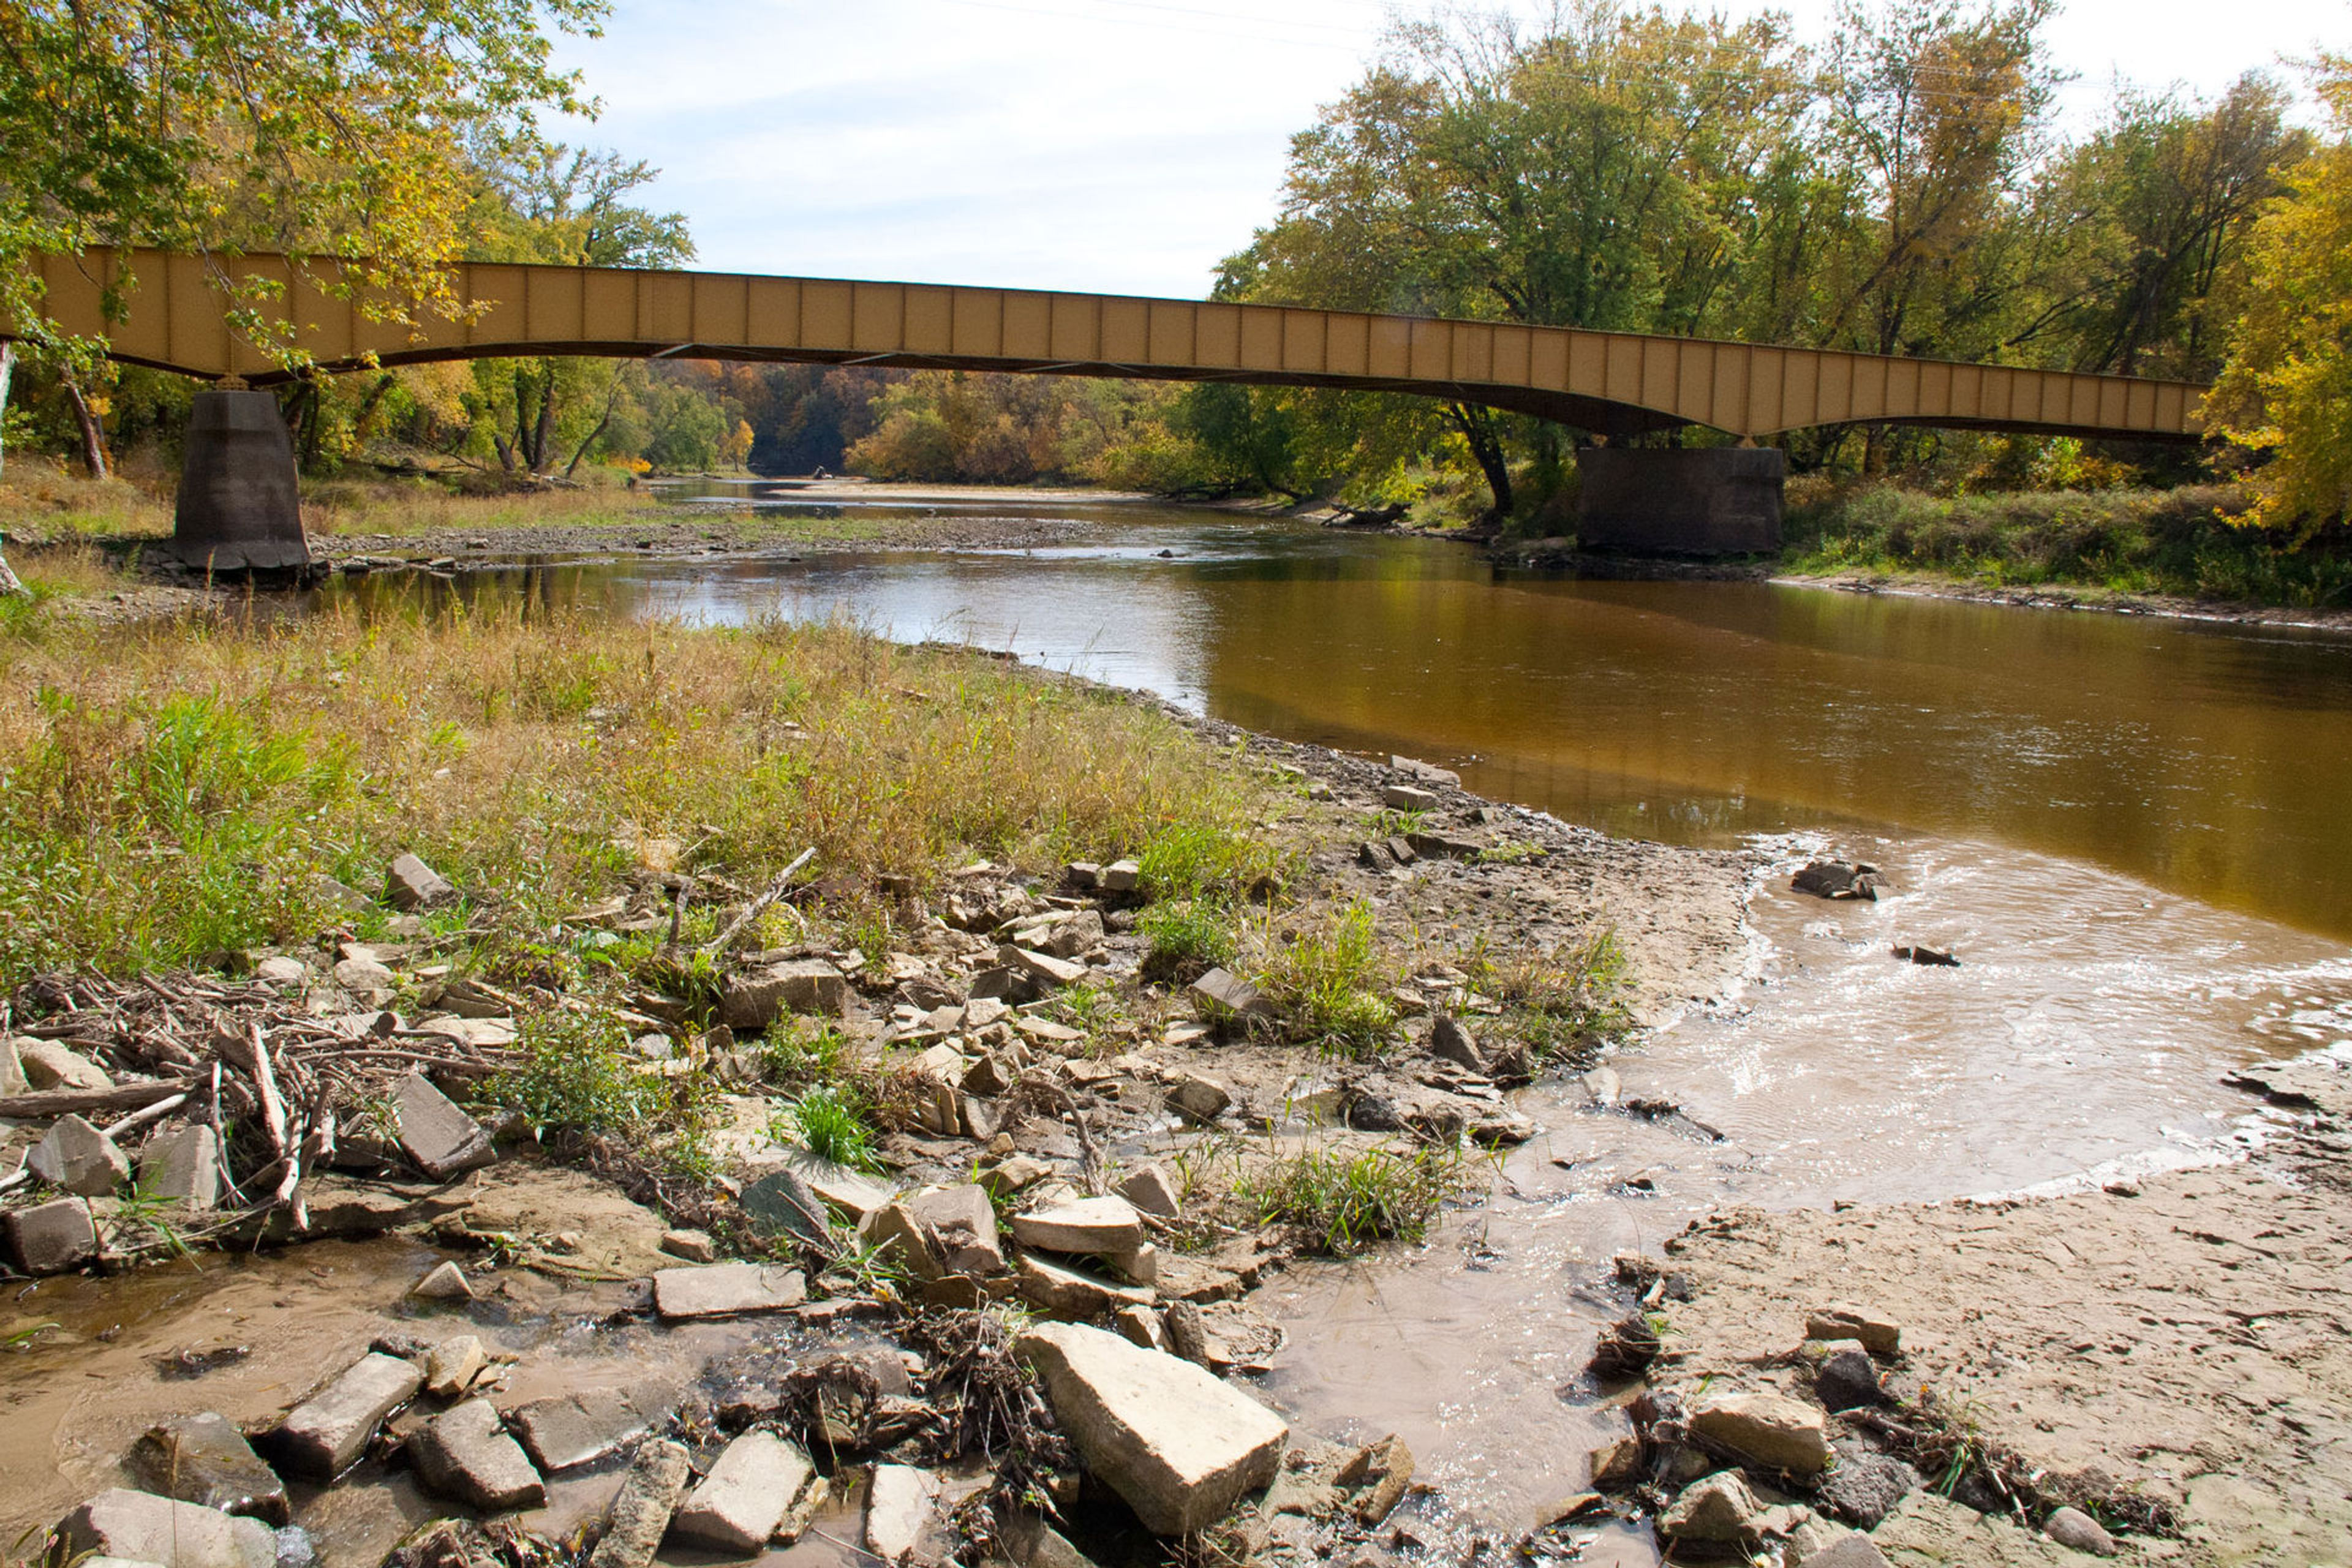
(1714, 500)
(239, 508)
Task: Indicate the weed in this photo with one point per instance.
(1343, 1204)
(828, 1120)
(1186, 937)
(796, 1053)
(575, 1078)
(1518, 852)
(1326, 979)
(1565, 1002)
(1195, 860)
(1088, 1006)
(1389, 823)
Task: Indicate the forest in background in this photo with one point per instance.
(1901, 189)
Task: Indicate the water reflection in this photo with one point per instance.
(2204, 759)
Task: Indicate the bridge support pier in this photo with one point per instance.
(1711, 500)
(239, 508)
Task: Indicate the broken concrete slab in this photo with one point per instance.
(77, 1157)
(569, 1430)
(326, 1433)
(141, 1527)
(900, 1508)
(182, 1165)
(51, 1237)
(641, 1513)
(746, 1495)
(1179, 1444)
(727, 1290)
(465, 1454)
(1083, 1227)
(442, 1139)
(205, 1459)
(409, 884)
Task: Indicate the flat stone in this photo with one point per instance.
(1075, 1294)
(1082, 874)
(746, 1495)
(1139, 1266)
(205, 1459)
(893, 1228)
(444, 1283)
(1408, 797)
(182, 1165)
(1122, 876)
(365, 978)
(641, 1513)
(1852, 1549)
(782, 1202)
(1720, 1511)
(12, 1071)
(569, 1430)
(1149, 1189)
(51, 1237)
(1015, 1173)
(726, 1289)
(1449, 1041)
(81, 1159)
(1199, 1097)
(466, 1455)
(141, 1527)
(1221, 991)
(1766, 1430)
(1043, 968)
(326, 1433)
(2071, 1528)
(409, 884)
(1086, 1227)
(486, 1033)
(756, 1000)
(451, 1366)
(48, 1065)
(1181, 1446)
(1616, 1463)
(1875, 1332)
(693, 1246)
(898, 1510)
(1143, 1326)
(1033, 1543)
(960, 1225)
(281, 971)
(442, 1139)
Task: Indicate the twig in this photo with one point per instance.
(757, 907)
(220, 1138)
(160, 1109)
(51, 1102)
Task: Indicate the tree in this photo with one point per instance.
(2286, 389)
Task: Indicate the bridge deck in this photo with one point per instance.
(173, 318)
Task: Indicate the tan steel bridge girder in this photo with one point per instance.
(173, 317)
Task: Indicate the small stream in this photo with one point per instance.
(2131, 830)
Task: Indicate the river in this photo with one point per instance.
(2130, 828)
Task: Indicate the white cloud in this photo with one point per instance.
(1119, 145)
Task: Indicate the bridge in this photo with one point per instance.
(166, 311)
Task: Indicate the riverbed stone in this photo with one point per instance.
(961, 1221)
(409, 884)
(1765, 1429)
(899, 1512)
(1850, 1550)
(755, 999)
(641, 1513)
(1084, 1226)
(1874, 1331)
(445, 1281)
(141, 1527)
(442, 1139)
(205, 1459)
(1377, 1474)
(852, 1192)
(12, 1071)
(727, 1290)
(465, 1454)
(51, 1237)
(1848, 1380)
(1450, 1042)
(1074, 1293)
(451, 1366)
(568, 1430)
(1220, 993)
(1720, 1511)
(1866, 1484)
(746, 1495)
(1178, 1444)
(1042, 968)
(281, 971)
(1149, 1189)
(78, 1158)
(782, 1202)
(326, 1433)
(48, 1065)
(1199, 1098)
(182, 1165)
(2071, 1528)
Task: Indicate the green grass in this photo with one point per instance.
(2179, 541)
(1341, 1205)
(575, 1078)
(828, 1120)
(1186, 937)
(1200, 859)
(1326, 974)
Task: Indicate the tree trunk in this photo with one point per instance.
(10, 586)
(93, 434)
(1477, 427)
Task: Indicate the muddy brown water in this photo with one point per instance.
(2129, 829)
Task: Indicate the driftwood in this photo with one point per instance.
(756, 907)
(51, 1102)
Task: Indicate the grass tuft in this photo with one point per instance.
(1327, 977)
(1341, 1205)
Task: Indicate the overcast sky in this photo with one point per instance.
(1110, 145)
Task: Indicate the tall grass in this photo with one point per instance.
(2177, 542)
(167, 789)
(1342, 1203)
(1324, 970)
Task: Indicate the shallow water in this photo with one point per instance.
(2129, 829)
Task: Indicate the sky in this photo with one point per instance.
(1115, 146)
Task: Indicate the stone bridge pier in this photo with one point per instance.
(239, 508)
(1709, 501)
